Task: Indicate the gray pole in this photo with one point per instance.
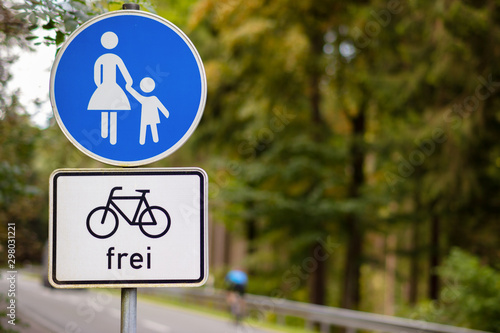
(128, 322)
(129, 311)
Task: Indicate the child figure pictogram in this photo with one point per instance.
(149, 111)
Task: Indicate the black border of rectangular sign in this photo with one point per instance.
(136, 172)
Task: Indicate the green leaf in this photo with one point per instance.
(60, 37)
(81, 16)
(50, 25)
(33, 19)
(70, 25)
(22, 15)
(21, 7)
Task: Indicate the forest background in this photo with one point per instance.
(354, 145)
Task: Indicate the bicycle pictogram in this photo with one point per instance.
(153, 221)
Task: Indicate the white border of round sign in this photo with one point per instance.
(201, 106)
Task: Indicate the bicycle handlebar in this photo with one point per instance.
(116, 188)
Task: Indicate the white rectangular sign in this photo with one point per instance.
(118, 228)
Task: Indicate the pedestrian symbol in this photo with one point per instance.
(128, 88)
(150, 107)
(109, 96)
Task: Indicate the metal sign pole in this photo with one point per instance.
(129, 311)
(128, 322)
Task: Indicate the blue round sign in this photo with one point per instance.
(128, 88)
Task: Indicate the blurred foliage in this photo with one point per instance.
(12, 32)
(352, 119)
(284, 171)
(20, 196)
(58, 19)
(470, 296)
(177, 12)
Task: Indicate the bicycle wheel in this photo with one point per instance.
(237, 308)
(154, 221)
(100, 228)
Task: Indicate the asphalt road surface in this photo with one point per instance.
(47, 310)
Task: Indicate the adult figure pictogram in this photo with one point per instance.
(109, 97)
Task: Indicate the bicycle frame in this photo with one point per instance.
(141, 198)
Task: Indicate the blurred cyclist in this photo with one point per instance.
(236, 282)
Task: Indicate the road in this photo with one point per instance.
(84, 311)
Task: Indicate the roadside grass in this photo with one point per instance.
(269, 324)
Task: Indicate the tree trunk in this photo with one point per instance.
(351, 293)
(390, 274)
(434, 258)
(251, 230)
(414, 264)
(317, 281)
(318, 275)
(251, 236)
(351, 296)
